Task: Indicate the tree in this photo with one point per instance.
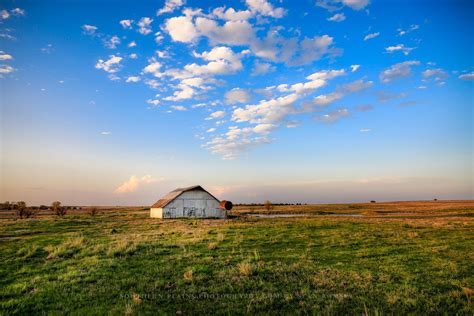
(58, 210)
(22, 211)
(268, 205)
(93, 211)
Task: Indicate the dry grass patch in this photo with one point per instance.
(245, 268)
(188, 275)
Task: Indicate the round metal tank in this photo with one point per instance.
(226, 205)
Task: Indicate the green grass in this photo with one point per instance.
(127, 263)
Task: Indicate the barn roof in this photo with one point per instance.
(177, 192)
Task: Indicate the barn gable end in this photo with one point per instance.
(193, 201)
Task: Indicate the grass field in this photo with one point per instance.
(407, 257)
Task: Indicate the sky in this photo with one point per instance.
(309, 101)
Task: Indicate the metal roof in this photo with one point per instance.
(177, 192)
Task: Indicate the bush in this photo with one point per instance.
(93, 211)
(268, 205)
(58, 210)
(22, 211)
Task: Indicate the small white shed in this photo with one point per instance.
(189, 202)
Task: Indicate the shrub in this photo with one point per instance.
(93, 211)
(268, 205)
(188, 275)
(245, 268)
(22, 211)
(212, 246)
(58, 210)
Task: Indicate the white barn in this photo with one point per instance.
(189, 202)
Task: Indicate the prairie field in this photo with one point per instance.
(360, 258)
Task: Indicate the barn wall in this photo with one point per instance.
(156, 212)
(195, 203)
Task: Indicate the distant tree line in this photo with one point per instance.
(265, 203)
(24, 211)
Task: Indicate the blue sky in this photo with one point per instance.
(294, 101)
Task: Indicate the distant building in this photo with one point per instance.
(190, 202)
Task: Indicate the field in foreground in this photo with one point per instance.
(411, 257)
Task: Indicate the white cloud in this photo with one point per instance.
(412, 28)
(112, 42)
(364, 107)
(18, 12)
(144, 25)
(400, 47)
(5, 56)
(105, 133)
(181, 29)
(158, 37)
(133, 79)
(153, 102)
(354, 68)
(237, 95)
(112, 65)
(241, 33)
(217, 114)
(371, 36)
(365, 130)
(332, 116)
(438, 74)
(260, 68)
(398, 71)
(134, 183)
(236, 141)
(132, 44)
(170, 6)
(211, 130)
(133, 56)
(4, 14)
(126, 24)
(232, 15)
(333, 5)
(154, 68)
(6, 69)
(178, 108)
(469, 76)
(89, 29)
(338, 17)
(264, 8)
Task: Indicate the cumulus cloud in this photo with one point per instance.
(237, 95)
(112, 42)
(144, 25)
(18, 12)
(468, 76)
(217, 114)
(334, 5)
(134, 183)
(438, 74)
(354, 68)
(274, 47)
(339, 93)
(398, 71)
(170, 6)
(112, 65)
(400, 47)
(260, 68)
(178, 108)
(371, 36)
(231, 14)
(6, 69)
(265, 8)
(89, 29)
(338, 17)
(332, 116)
(133, 79)
(5, 56)
(126, 24)
(412, 28)
(237, 140)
